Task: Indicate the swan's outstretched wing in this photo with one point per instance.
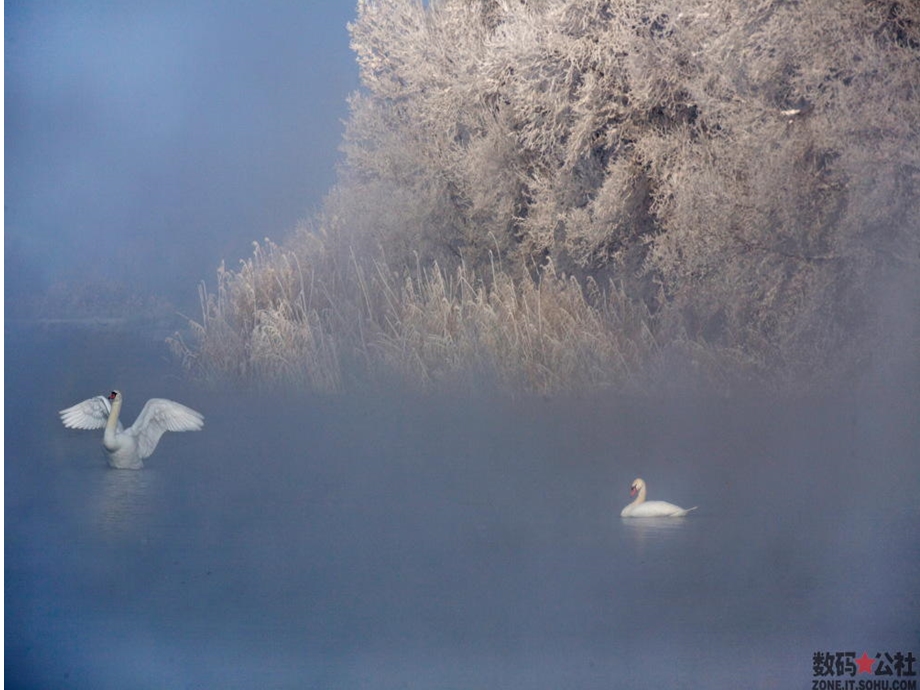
(89, 414)
(159, 416)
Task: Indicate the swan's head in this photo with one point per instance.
(115, 395)
(637, 486)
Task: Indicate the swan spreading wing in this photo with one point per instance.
(159, 416)
(89, 414)
(127, 448)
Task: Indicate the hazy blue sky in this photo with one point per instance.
(146, 141)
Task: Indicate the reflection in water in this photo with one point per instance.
(125, 501)
(654, 526)
(646, 532)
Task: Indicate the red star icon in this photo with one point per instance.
(865, 663)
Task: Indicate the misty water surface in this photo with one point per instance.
(394, 541)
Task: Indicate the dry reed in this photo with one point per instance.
(317, 319)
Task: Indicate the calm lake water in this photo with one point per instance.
(396, 541)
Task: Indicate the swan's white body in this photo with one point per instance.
(127, 448)
(642, 508)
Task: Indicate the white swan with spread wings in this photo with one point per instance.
(127, 448)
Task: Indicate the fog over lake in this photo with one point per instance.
(146, 143)
(382, 538)
(395, 540)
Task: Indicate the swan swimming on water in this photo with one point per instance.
(127, 448)
(642, 508)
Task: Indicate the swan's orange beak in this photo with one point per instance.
(633, 490)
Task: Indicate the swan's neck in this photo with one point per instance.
(111, 424)
(640, 498)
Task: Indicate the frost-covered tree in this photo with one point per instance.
(568, 193)
(750, 163)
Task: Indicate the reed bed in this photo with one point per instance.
(308, 317)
